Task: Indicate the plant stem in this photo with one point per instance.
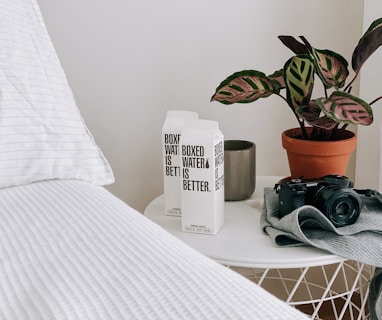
(351, 82)
(301, 122)
(344, 126)
(375, 100)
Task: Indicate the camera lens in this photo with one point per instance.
(342, 206)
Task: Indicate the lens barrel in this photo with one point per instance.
(341, 205)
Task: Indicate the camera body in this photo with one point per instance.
(332, 195)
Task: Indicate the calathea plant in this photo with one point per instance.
(295, 81)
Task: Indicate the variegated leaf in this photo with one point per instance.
(369, 42)
(299, 80)
(278, 76)
(296, 46)
(331, 67)
(344, 107)
(312, 115)
(323, 122)
(245, 87)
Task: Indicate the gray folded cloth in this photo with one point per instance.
(306, 225)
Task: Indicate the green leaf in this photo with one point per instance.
(346, 108)
(369, 42)
(299, 80)
(245, 87)
(331, 67)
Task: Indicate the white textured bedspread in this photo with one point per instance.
(71, 250)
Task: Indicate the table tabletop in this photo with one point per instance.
(241, 242)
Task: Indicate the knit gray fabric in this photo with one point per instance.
(306, 225)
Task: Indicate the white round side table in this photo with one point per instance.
(314, 280)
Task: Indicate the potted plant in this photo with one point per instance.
(322, 121)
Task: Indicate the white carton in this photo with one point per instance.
(171, 131)
(202, 165)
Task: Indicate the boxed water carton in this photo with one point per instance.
(202, 166)
(171, 132)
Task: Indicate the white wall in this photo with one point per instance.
(368, 173)
(128, 61)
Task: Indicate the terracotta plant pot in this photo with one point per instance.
(315, 159)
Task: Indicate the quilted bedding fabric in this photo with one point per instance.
(72, 250)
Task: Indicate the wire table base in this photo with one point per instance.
(338, 291)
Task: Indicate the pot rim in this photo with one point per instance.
(348, 134)
(326, 148)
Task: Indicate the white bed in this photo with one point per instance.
(69, 249)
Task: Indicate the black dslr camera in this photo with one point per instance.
(332, 195)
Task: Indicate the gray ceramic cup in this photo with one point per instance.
(239, 169)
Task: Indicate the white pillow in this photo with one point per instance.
(42, 134)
